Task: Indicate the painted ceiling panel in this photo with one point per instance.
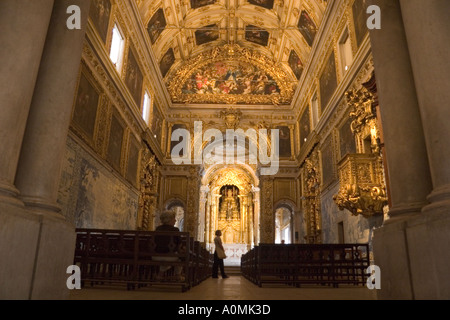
(281, 32)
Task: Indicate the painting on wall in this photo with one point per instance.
(230, 77)
(133, 162)
(156, 25)
(268, 4)
(157, 122)
(347, 139)
(328, 81)
(207, 34)
(359, 18)
(307, 27)
(285, 141)
(175, 127)
(201, 3)
(296, 64)
(86, 105)
(305, 126)
(327, 162)
(100, 13)
(167, 61)
(256, 35)
(115, 142)
(91, 196)
(134, 78)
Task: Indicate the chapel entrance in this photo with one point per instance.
(231, 205)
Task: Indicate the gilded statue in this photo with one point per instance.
(229, 209)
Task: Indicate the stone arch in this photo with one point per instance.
(284, 211)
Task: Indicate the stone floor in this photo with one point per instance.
(235, 287)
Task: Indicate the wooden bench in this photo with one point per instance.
(134, 258)
(297, 264)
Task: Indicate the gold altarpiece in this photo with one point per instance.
(361, 175)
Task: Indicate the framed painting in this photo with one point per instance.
(256, 35)
(86, 106)
(307, 27)
(268, 4)
(133, 77)
(305, 126)
(100, 13)
(347, 143)
(156, 25)
(231, 78)
(359, 19)
(285, 141)
(115, 143)
(175, 127)
(327, 162)
(207, 34)
(133, 162)
(328, 81)
(296, 64)
(167, 61)
(201, 3)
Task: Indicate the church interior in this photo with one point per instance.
(337, 111)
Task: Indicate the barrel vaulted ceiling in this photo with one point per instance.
(248, 52)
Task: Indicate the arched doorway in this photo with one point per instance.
(283, 225)
(232, 206)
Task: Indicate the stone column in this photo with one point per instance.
(413, 85)
(406, 154)
(215, 215)
(242, 218)
(256, 214)
(44, 146)
(429, 48)
(402, 126)
(249, 220)
(428, 37)
(24, 26)
(208, 221)
(245, 220)
(202, 213)
(48, 122)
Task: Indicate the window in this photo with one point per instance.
(345, 51)
(146, 108)
(117, 46)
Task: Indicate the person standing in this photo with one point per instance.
(219, 255)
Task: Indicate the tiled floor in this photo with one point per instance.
(234, 288)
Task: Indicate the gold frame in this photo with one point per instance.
(176, 81)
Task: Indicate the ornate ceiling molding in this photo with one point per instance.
(233, 53)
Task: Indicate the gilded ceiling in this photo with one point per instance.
(232, 51)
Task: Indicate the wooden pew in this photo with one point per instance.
(316, 264)
(134, 258)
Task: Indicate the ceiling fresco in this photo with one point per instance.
(279, 32)
(231, 75)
